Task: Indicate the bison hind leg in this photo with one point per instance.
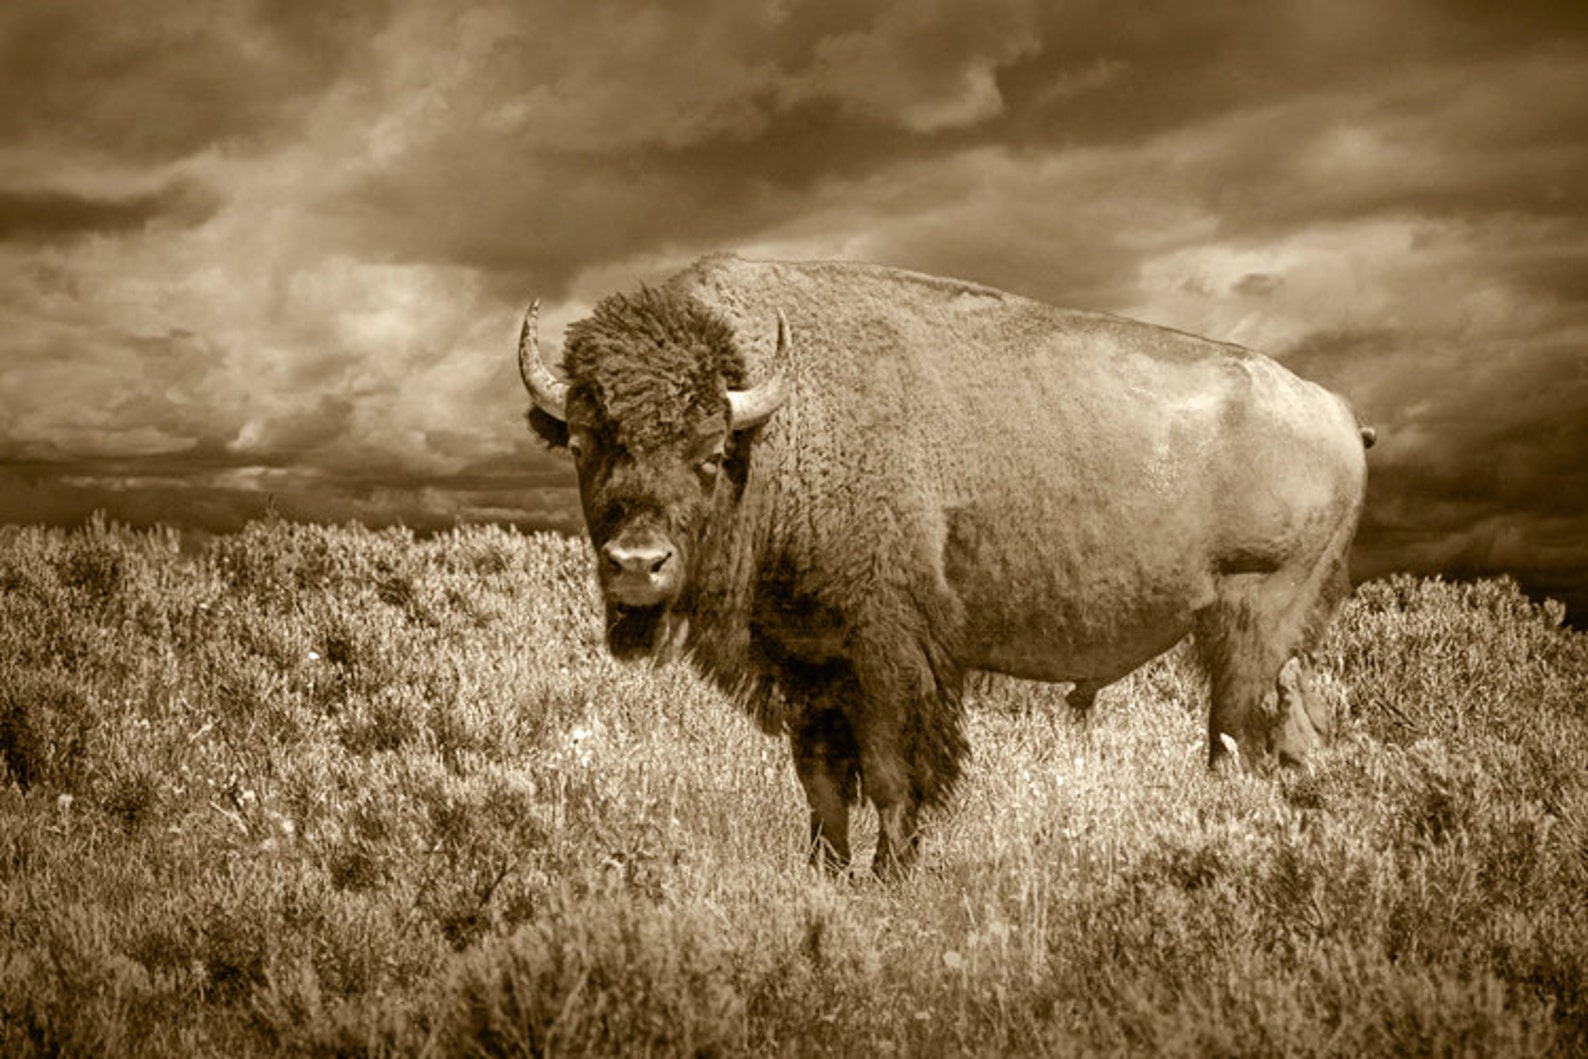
(1252, 643)
(1305, 719)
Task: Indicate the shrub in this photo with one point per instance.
(318, 790)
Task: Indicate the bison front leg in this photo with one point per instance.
(889, 788)
(912, 742)
(828, 764)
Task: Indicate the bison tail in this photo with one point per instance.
(1369, 435)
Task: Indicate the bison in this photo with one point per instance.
(839, 488)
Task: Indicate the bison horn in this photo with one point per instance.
(549, 392)
(752, 407)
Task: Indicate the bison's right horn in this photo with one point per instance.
(752, 407)
(549, 393)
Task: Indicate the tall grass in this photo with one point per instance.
(328, 791)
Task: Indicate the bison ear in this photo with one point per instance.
(553, 431)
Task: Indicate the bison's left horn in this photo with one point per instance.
(549, 393)
(752, 407)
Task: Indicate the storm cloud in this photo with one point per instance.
(260, 253)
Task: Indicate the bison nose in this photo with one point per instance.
(638, 560)
(641, 571)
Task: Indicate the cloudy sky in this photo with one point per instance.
(279, 250)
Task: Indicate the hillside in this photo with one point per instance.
(328, 791)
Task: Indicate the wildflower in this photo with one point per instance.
(579, 738)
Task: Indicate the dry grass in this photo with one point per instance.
(329, 791)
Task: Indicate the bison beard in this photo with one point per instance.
(655, 632)
(962, 480)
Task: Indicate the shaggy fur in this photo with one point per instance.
(654, 364)
(960, 479)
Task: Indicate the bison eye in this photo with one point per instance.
(708, 467)
(576, 446)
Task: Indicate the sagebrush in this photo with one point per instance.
(325, 790)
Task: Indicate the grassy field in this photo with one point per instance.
(328, 791)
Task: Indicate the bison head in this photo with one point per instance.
(654, 416)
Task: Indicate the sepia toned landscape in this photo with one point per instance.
(313, 790)
(315, 733)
